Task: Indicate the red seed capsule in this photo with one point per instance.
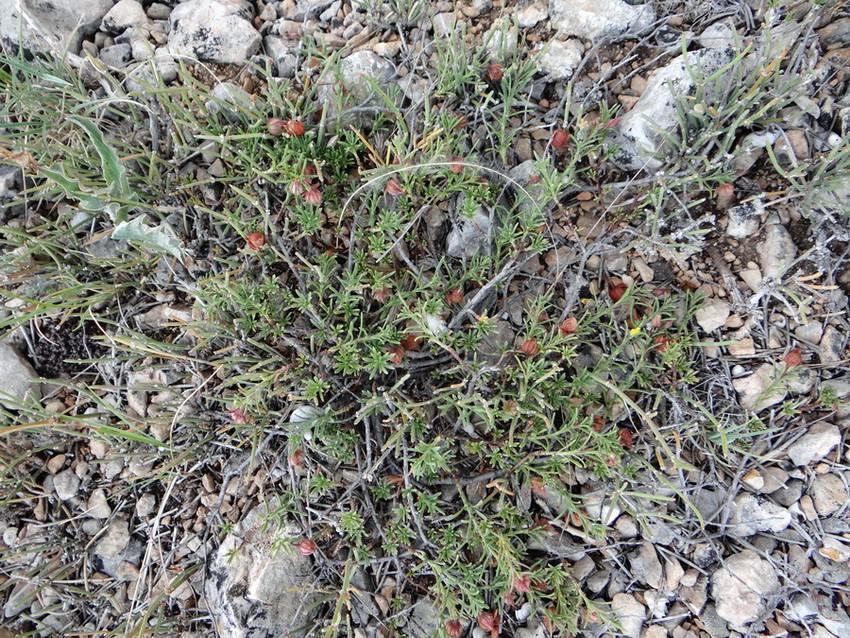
(559, 138)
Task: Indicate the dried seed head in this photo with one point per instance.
(495, 72)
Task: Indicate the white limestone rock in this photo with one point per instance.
(49, 26)
(741, 586)
(595, 19)
(640, 135)
(214, 31)
(815, 444)
(253, 588)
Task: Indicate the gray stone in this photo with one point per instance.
(423, 620)
(158, 11)
(230, 100)
(759, 390)
(501, 39)
(777, 251)
(740, 587)
(117, 56)
(646, 567)
(125, 14)
(717, 36)
(595, 19)
(815, 444)
(640, 135)
(49, 26)
(751, 514)
(359, 74)
(836, 621)
(66, 484)
(630, 613)
(468, 236)
(743, 219)
(713, 314)
(789, 493)
(146, 505)
(283, 53)
(561, 59)
(531, 14)
(17, 379)
(444, 24)
(97, 506)
(713, 623)
(306, 9)
(832, 345)
(695, 596)
(116, 539)
(253, 588)
(415, 88)
(828, 493)
(214, 31)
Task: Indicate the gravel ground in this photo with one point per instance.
(762, 548)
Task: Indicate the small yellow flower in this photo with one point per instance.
(635, 330)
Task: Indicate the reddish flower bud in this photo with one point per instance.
(489, 621)
(396, 354)
(294, 128)
(296, 459)
(454, 628)
(256, 241)
(529, 347)
(616, 293)
(305, 547)
(394, 187)
(456, 163)
(313, 196)
(410, 342)
(381, 294)
(725, 195)
(522, 584)
(568, 326)
(454, 296)
(559, 138)
(627, 439)
(275, 125)
(238, 416)
(296, 187)
(793, 358)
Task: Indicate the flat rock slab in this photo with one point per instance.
(815, 444)
(49, 26)
(214, 31)
(740, 587)
(257, 586)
